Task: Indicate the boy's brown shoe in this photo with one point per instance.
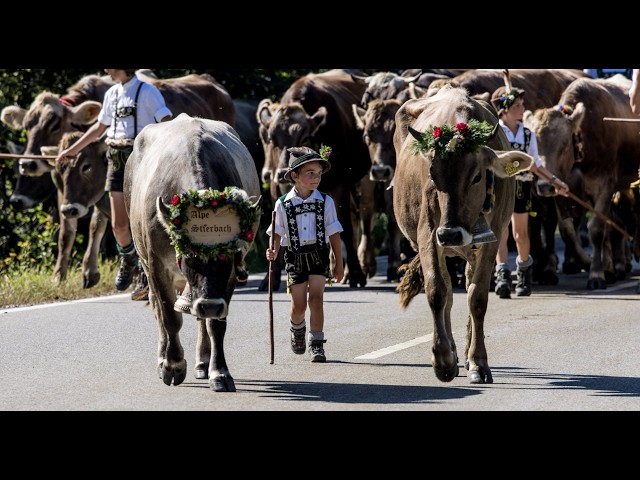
(316, 351)
(298, 343)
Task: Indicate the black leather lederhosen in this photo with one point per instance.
(523, 202)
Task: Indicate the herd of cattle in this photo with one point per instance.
(370, 122)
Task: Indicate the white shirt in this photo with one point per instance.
(519, 139)
(151, 108)
(306, 221)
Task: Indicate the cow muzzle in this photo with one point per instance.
(33, 168)
(73, 210)
(215, 308)
(453, 237)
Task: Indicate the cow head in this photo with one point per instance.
(557, 132)
(212, 276)
(459, 185)
(81, 179)
(378, 124)
(384, 85)
(45, 122)
(282, 127)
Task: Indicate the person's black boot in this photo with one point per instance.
(128, 268)
(503, 283)
(523, 285)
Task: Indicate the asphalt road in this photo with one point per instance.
(564, 348)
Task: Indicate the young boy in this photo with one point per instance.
(307, 225)
(510, 108)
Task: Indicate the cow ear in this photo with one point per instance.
(508, 163)
(164, 216)
(57, 180)
(358, 114)
(318, 119)
(86, 113)
(13, 116)
(263, 112)
(575, 119)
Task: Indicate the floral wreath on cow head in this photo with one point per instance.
(445, 140)
(212, 199)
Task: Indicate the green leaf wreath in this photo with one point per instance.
(214, 200)
(446, 140)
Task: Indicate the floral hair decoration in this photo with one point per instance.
(566, 109)
(212, 199)
(325, 152)
(446, 140)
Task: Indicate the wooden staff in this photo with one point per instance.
(31, 157)
(615, 119)
(271, 247)
(600, 215)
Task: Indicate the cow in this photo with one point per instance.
(51, 116)
(438, 197)
(80, 187)
(609, 154)
(387, 85)
(169, 160)
(378, 124)
(314, 111)
(543, 86)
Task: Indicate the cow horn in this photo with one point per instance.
(495, 130)
(507, 80)
(416, 134)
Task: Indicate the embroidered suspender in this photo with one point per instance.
(316, 208)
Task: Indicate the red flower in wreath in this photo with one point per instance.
(175, 200)
(177, 221)
(436, 132)
(214, 203)
(461, 127)
(249, 235)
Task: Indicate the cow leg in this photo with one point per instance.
(575, 258)
(203, 351)
(367, 214)
(66, 239)
(220, 380)
(172, 366)
(343, 206)
(437, 285)
(480, 271)
(597, 234)
(394, 240)
(90, 267)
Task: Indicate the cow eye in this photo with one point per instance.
(477, 178)
(86, 168)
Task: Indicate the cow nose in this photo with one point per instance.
(450, 237)
(280, 175)
(28, 166)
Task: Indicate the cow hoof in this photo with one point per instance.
(175, 375)
(446, 375)
(201, 374)
(222, 383)
(549, 278)
(481, 375)
(91, 280)
(596, 284)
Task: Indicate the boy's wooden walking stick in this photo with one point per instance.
(271, 246)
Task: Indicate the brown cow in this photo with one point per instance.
(611, 153)
(378, 124)
(314, 111)
(438, 199)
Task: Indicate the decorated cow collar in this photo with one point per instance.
(446, 140)
(201, 203)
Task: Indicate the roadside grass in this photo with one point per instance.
(35, 287)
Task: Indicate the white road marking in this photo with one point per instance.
(395, 348)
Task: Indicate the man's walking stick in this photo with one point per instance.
(271, 246)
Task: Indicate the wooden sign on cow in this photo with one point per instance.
(207, 227)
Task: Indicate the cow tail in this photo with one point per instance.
(411, 282)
